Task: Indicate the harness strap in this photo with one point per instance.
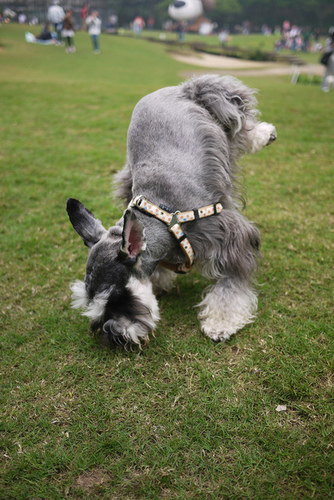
(173, 221)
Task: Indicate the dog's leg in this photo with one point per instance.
(229, 305)
(162, 280)
(261, 135)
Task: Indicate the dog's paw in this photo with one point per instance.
(217, 335)
(226, 309)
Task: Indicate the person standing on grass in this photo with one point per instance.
(94, 29)
(83, 17)
(56, 16)
(68, 31)
(328, 78)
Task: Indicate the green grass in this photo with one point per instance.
(183, 418)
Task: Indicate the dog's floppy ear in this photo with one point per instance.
(133, 240)
(86, 225)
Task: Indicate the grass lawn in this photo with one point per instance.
(184, 417)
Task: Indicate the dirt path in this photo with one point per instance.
(245, 68)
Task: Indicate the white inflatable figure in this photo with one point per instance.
(184, 10)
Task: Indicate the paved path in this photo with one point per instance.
(244, 68)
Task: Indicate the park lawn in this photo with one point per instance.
(183, 417)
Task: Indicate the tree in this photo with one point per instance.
(225, 11)
(314, 13)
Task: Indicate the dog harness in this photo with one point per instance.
(173, 221)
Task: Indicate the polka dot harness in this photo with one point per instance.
(173, 221)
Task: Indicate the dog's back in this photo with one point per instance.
(183, 142)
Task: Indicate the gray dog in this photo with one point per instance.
(179, 184)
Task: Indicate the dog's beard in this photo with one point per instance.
(143, 314)
(140, 319)
(93, 309)
(79, 295)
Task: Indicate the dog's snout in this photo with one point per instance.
(273, 136)
(178, 4)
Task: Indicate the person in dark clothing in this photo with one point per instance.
(45, 33)
(68, 31)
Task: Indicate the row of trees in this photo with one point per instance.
(313, 13)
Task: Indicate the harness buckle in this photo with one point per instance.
(136, 202)
(174, 220)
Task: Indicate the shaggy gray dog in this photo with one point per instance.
(183, 208)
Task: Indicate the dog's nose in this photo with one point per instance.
(178, 4)
(273, 136)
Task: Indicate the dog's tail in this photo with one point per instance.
(226, 98)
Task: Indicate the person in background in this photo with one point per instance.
(94, 29)
(22, 18)
(328, 79)
(68, 31)
(181, 30)
(83, 17)
(150, 23)
(111, 25)
(56, 16)
(33, 21)
(138, 25)
(306, 34)
(45, 33)
(222, 36)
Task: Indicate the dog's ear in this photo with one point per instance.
(133, 240)
(86, 225)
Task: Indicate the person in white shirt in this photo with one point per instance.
(94, 29)
(56, 16)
